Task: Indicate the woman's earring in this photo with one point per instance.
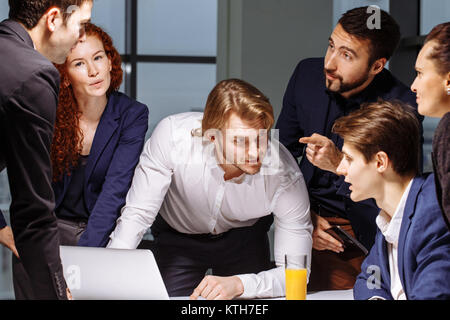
(448, 91)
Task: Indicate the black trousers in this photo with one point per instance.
(183, 259)
(69, 234)
(27, 116)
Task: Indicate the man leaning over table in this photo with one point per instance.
(215, 178)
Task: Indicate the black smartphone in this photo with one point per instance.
(346, 239)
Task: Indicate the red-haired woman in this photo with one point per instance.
(98, 138)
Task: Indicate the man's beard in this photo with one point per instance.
(344, 86)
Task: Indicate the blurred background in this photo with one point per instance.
(175, 51)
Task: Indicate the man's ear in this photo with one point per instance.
(53, 19)
(382, 161)
(378, 66)
(447, 82)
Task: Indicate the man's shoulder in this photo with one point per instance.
(181, 126)
(424, 184)
(314, 65)
(428, 227)
(308, 77)
(314, 62)
(185, 120)
(16, 50)
(394, 89)
(21, 63)
(427, 210)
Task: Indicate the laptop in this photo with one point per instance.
(112, 274)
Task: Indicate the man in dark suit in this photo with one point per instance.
(37, 31)
(319, 92)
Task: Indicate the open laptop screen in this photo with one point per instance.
(112, 274)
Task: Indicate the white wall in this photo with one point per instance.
(434, 12)
(261, 41)
(342, 6)
(4, 9)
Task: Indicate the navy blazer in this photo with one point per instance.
(115, 152)
(308, 107)
(423, 251)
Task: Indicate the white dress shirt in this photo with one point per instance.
(178, 177)
(390, 228)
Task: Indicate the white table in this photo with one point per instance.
(320, 295)
(331, 295)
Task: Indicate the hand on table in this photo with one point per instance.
(322, 152)
(7, 239)
(69, 294)
(218, 288)
(321, 239)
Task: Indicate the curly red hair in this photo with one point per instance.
(68, 139)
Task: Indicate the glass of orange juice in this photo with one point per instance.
(296, 276)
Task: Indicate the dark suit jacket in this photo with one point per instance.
(423, 251)
(114, 155)
(441, 165)
(309, 108)
(29, 86)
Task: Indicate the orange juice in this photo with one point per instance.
(296, 284)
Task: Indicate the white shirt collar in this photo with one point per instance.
(390, 227)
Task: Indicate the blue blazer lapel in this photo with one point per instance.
(382, 249)
(410, 208)
(107, 126)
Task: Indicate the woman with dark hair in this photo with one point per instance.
(99, 135)
(432, 86)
